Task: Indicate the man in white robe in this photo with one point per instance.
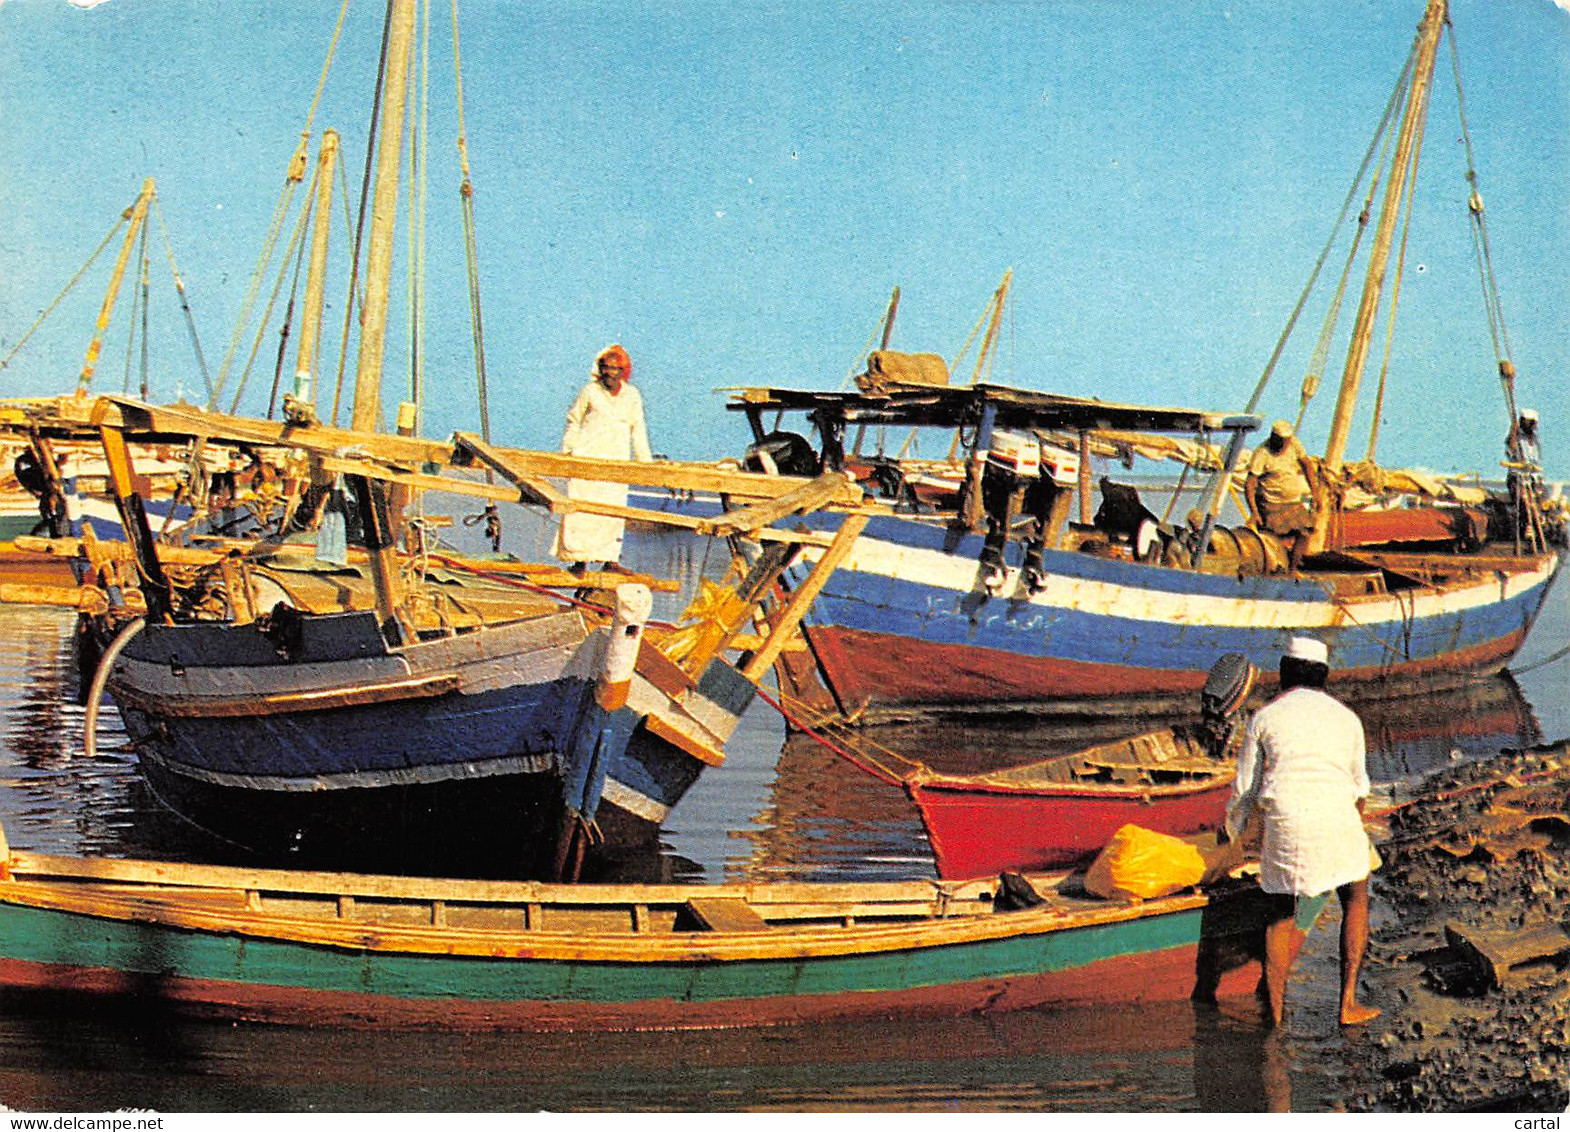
(606, 421)
(1303, 770)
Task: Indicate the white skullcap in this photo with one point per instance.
(1310, 649)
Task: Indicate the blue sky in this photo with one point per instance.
(732, 190)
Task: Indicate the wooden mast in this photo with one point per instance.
(373, 324)
(137, 214)
(1362, 330)
(316, 277)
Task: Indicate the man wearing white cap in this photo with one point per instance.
(1279, 490)
(1303, 770)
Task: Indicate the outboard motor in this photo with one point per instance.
(782, 454)
(1226, 689)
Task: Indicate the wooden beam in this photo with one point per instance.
(89, 599)
(657, 473)
(784, 626)
(532, 488)
(809, 496)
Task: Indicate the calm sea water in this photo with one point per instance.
(778, 808)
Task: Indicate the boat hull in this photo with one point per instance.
(222, 964)
(458, 753)
(977, 831)
(1108, 636)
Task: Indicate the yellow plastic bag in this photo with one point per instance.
(1145, 864)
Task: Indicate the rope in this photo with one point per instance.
(81, 271)
(288, 314)
(253, 289)
(470, 244)
(295, 249)
(532, 587)
(351, 310)
(877, 770)
(1321, 354)
(1496, 323)
(1395, 288)
(292, 180)
(1302, 300)
(138, 307)
(179, 286)
(1543, 663)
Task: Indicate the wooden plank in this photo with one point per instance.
(534, 489)
(720, 915)
(658, 473)
(822, 896)
(809, 496)
(215, 707)
(784, 626)
(1499, 956)
(89, 599)
(137, 418)
(661, 671)
(662, 728)
(424, 482)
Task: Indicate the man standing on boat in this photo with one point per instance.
(605, 421)
(1303, 770)
(1280, 490)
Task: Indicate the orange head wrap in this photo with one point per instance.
(617, 355)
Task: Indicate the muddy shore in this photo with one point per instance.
(1472, 969)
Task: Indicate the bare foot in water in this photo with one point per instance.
(1357, 1014)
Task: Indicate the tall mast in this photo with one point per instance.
(316, 276)
(1362, 330)
(384, 217)
(380, 540)
(137, 214)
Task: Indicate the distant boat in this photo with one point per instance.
(398, 952)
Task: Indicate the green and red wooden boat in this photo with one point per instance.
(375, 951)
(1060, 811)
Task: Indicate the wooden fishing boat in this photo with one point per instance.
(1060, 812)
(492, 728)
(1120, 611)
(377, 951)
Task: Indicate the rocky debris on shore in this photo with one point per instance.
(1472, 963)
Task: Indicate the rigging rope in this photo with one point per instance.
(179, 286)
(138, 296)
(1374, 143)
(471, 260)
(1485, 263)
(292, 180)
(1395, 288)
(294, 249)
(1321, 354)
(860, 760)
(294, 291)
(350, 310)
(81, 271)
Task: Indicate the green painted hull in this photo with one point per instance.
(1160, 954)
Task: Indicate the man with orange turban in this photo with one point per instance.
(605, 421)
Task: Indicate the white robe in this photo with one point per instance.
(611, 428)
(1303, 766)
